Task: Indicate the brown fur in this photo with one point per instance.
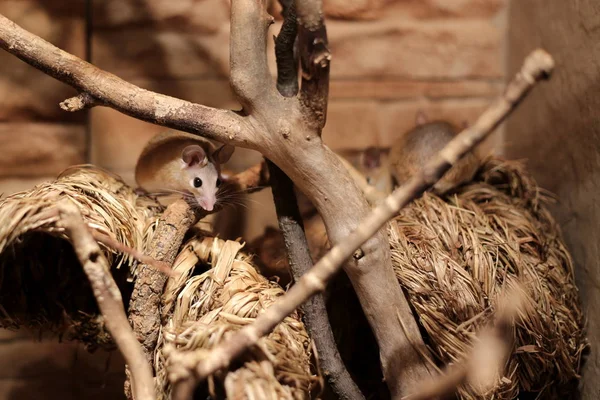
(159, 162)
(412, 151)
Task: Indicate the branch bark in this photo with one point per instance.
(250, 78)
(285, 54)
(107, 89)
(314, 310)
(290, 222)
(315, 60)
(144, 306)
(109, 299)
(538, 65)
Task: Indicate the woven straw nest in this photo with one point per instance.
(43, 287)
(207, 303)
(455, 256)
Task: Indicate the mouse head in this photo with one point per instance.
(202, 172)
(373, 165)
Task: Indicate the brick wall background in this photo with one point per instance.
(390, 59)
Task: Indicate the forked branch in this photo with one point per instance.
(290, 223)
(109, 299)
(537, 66)
(98, 87)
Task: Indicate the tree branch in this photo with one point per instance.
(315, 60)
(314, 310)
(285, 54)
(109, 299)
(144, 306)
(107, 89)
(250, 78)
(538, 65)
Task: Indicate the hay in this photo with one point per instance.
(42, 285)
(206, 303)
(455, 257)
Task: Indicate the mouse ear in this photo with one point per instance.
(421, 118)
(371, 158)
(223, 153)
(194, 155)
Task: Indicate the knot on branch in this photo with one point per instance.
(79, 102)
(538, 65)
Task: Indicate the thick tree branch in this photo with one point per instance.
(285, 54)
(107, 89)
(538, 65)
(250, 78)
(144, 306)
(109, 299)
(315, 60)
(314, 310)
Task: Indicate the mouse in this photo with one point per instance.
(183, 163)
(413, 150)
(373, 163)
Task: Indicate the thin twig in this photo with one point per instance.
(138, 255)
(537, 66)
(107, 89)
(109, 299)
(314, 310)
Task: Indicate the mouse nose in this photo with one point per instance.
(206, 204)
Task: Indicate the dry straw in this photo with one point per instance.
(456, 257)
(42, 284)
(219, 291)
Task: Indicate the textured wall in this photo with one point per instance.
(557, 129)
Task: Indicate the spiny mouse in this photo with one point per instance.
(412, 151)
(183, 163)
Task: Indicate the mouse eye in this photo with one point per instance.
(219, 182)
(197, 182)
(369, 180)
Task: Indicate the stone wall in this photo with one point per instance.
(390, 59)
